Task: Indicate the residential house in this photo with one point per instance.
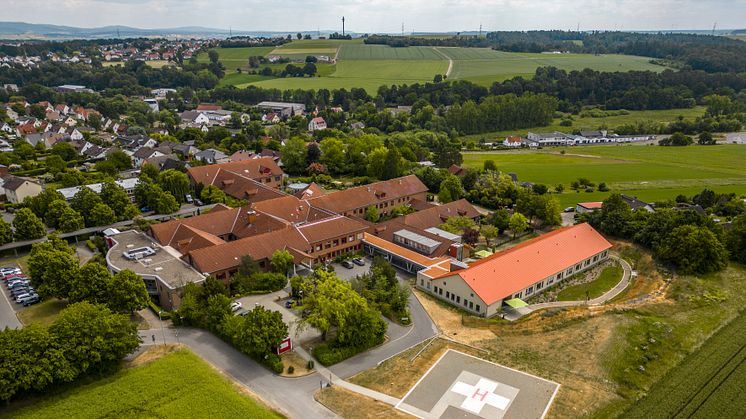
(317, 124)
(513, 141)
(145, 153)
(271, 118)
(284, 109)
(194, 117)
(127, 184)
(551, 138)
(17, 189)
(212, 156)
(254, 180)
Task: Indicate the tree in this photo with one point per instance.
(489, 165)
(281, 261)
(376, 160)
(212, 195)
(518, 223)
(127, 292)
(333, 155)
(371, 214)
(6, 232)
(457, 224)
(106, 167)
(101, 215)
(65, 150)
(446, 152)
(602, 187)
(55, 164)
(736, 239)
(559, 188)
(489, 232)
(121, 160)
(614, 217)
(501, 219)
(28, 226)
(165, 203)
(313, 153)
(92, 338)
(52, 267)
(470, 236)
(450, 189)
(676, 139)
(84, 201)
(62, 217)
(91, 284)
(39, 203)
(693, 249)
(247, 266)
(392, 165)
(150, 171)
(259, 331)
(116, 198)
(294, 155)
(174, 182)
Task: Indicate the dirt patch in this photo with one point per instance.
(351, 405)
(397, 375)
(299, 364)
(152, 353)
(449, 320)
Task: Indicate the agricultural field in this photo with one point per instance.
(170, 387)
(485, 66)
(651, 173)
(592, 123)
(233, 58)
(370, 66)
(708, 383)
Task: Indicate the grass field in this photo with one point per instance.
(233, 58)
(649, 172)
(609, 277)
(485, 66)
(590, 123)
(384, 65)
(176, 386)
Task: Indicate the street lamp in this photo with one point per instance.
(163, 332)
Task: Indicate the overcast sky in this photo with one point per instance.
(384, 15)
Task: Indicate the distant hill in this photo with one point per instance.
(22, 30)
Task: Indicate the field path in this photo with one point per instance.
(450, 61)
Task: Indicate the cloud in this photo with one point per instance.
(384, 15)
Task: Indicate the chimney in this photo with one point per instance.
(251, 216)
(456, 251)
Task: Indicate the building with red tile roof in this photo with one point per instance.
(253, 180)
(520, 272)
(588, 207)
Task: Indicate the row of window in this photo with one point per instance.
(456, 298)
(392, 203)
(334, 243)
(530, 290)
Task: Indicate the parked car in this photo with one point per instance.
(15, 292)
(347, 264)
(289, 303)
(236, 305)
(241, 312)
(570, 209)
(28, 299)
(5, 272)
(19, 283)
(198, 203)
(23, 296)
(188, 198)
(358, 261)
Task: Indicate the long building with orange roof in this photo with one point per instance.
(520, 272)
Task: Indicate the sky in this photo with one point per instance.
(379, 16)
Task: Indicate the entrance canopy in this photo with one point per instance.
(516, 303)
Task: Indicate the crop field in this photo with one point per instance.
(304, 47)
(708, 383)
(170, 387)
(385, 52)
(593, 123)
(233, 58)
(364, 74)
(651, 173)
(485, 66)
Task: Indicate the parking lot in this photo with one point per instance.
(462, 386)
(8, 310)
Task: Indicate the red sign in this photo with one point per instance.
(285, 346)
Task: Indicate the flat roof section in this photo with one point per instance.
(417, 238)
(163, 265)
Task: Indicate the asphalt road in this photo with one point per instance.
(8, 316)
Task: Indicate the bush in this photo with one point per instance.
(274, 363)
(90, 245)
(165, 315)
(330, 355)
(291, 369)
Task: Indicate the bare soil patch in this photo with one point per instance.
(351, 405)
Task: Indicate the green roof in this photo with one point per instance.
(516, 303)
(483, 253)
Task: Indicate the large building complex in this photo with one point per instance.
(520, 272)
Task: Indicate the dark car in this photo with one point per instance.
(21, 290)
(32, 299)
(198, 203)
(18, 284)
(289, 303)
(347, 264)
(358, 261)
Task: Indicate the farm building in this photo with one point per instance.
(520, 272)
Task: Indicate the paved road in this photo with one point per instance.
(8, 316)
(291, 396)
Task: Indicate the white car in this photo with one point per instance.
(236, 305)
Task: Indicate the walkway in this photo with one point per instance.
(608, 295)
(450, 61)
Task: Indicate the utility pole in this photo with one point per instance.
(118, 32)
(343, 26)
(230, 32)
(480, 30)
(402, 29)
(714, 26)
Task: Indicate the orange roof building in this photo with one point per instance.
(520, 272)
(254, 180)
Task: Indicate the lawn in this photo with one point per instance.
(385, 52)
(708, 383)
(588, 123)
(485, 66)
(609, 277)
(649, 172)
(43, 313)
(233, 58)
(175, 386)
(300, 49)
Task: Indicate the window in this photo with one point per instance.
(448, 294)
(478, 310)
(577, 267)
(595, 258)
(458, 299)
(440, 291)
(587, 262)
(517, 295)
(549, 281)
(529, 290)
(422, 282)
(471, 305)
(436, 290)
(428, 285)
(466, 303)
(559, 275)
(569, 271)
(539, 285)
(472, 295)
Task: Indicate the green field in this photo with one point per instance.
(370, 66)
(176, 386)
(709, 383)
(591, 123)
(485, 66)
(651, 173)
(609, 277)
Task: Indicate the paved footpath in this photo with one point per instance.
(608, 295)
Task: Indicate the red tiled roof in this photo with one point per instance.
(252, 169)
(204, 107)
(330, 228)
(591, 205)
(403, 252)
(502, 274)
(372, 194)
